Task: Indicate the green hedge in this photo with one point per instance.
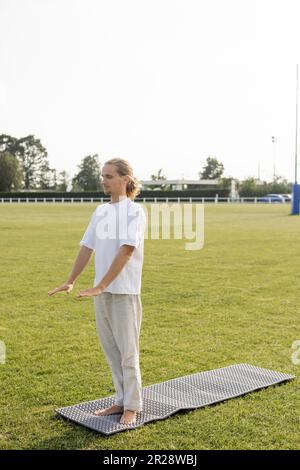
(89, 194)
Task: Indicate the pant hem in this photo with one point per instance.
(133, 408)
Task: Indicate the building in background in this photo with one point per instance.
(180, 184)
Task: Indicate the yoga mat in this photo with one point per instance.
(164, 399)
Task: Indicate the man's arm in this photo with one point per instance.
(122, 257)
(81, 261)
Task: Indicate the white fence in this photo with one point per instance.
(242, 200)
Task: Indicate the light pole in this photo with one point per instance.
(274, 140)
(296, 143)
(296, 186)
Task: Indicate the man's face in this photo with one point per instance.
(112, 182)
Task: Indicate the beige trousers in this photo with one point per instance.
(118, 321)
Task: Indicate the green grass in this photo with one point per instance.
(236, 300)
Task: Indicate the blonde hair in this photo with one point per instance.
(133, 187)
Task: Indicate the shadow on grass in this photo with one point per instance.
(79, 437)
(75, 437)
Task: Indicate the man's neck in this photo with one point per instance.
(118, 198)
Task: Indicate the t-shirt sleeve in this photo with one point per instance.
(89, 237)
(135, 232)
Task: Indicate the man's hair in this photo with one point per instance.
(124, 169)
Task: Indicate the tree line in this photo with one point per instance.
(24, 165)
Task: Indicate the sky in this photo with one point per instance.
(161, 83)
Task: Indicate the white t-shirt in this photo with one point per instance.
(111, 226)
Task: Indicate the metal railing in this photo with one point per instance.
(216, 200)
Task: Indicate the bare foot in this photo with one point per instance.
(112, 410)
(128, 417)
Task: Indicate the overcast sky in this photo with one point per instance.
(162, 83)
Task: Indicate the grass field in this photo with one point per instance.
(236, 300)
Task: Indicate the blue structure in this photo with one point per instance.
(295, 199)
(296, 186)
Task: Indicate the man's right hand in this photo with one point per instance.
(64, 287)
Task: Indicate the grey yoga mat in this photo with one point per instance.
(182, 393)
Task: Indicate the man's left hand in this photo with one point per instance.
(89, 292)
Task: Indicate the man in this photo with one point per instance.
(116, 234)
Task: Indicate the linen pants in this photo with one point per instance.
(118, 322)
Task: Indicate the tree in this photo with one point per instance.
(10, 172)
(225, 183)
(250, 187)
(32, 157)
(212, 170)
(63, 181)
(159, 176)
(88, 178)
(34, 160)
(280, 185)
(47, 177)
(9, 144)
